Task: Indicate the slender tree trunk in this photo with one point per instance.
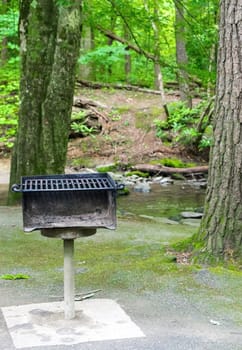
(158, 79)
(181, 55)
(127, 58)
(210, 89)
(110, 40)
(49, 44)
(87, 71)
(4, 44)
(221, 227)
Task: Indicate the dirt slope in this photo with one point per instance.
(129, 136)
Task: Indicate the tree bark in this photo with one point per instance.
(221, 227)
(49, 49)
(87, 71)
(127, 58)
(158, 79)
(181, 55)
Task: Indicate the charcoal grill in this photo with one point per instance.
(68, 201)
(68, 207)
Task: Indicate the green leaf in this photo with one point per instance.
(18, 276)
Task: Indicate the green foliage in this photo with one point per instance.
(81, 128)
(80, 116)
(9, 104)
(134, 21)
(107, 168)
(105, 55)
(9, 37)
(105, 58)
(78, 124)
(8, 24)
(173, 163)
(201, 37)
(9, 75)
(182, 126)
(123, 192)
(82, 163)
(18, 276)
(137, 173)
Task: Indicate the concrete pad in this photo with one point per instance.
(44, 324)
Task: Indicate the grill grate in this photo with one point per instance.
(67, 182)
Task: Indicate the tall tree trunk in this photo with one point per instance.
(127, 58)
(4, 51)
(4, 43)
(181, 55)
(49, 48)
(210, 89)
(87, 71)
(158, 79)
(221, 227)
(113, 20)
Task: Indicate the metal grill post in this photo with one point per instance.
(69, 283)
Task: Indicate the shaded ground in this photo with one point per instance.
(177, 307)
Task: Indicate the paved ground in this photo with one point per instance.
(166, 327)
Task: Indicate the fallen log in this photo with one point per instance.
(163, 170)
(98, 85)
(85, 103)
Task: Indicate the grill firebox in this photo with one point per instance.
(68, 201)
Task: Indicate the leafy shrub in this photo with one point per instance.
(181, 126)
(9, 104)
(78, 124)
(81, 128)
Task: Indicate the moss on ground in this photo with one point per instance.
(135, 259)
(137, 173)
(172, 163)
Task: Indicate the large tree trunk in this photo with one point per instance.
(221, 227)
(49, 48)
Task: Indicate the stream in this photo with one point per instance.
(162, 201)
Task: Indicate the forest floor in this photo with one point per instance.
(129, 137)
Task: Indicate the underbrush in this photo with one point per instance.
(9, 104)
(188, 127)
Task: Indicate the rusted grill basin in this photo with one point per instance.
(68, 201)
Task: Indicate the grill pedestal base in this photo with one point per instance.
(69, 282)
(68, 235)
